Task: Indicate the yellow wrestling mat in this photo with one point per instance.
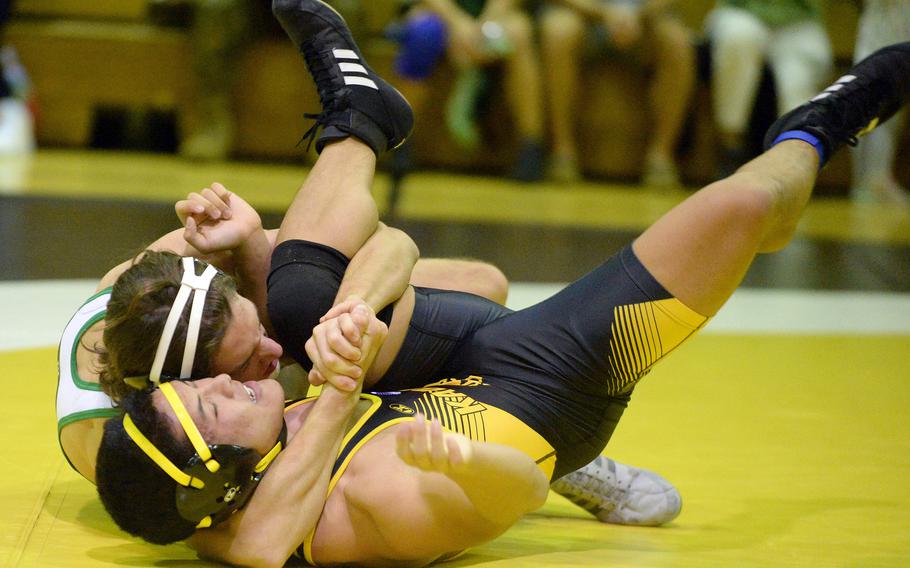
(788, 451)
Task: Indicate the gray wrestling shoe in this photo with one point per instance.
(355, 100)
(620, 494)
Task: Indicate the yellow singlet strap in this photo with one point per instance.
(189, 427)
(268, 458)
(159, 458)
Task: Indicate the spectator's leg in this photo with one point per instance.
(880, 24)
(523, 91)
(873, 166)
(220, 32)
(421, 38)
(17, 131)
(561, 33)
(738, 41)
(522, 76)
(670, 93)
(5, 7)
(801, 60)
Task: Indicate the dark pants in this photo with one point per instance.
(6, 6)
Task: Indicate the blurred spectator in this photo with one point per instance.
(474, 35)
(650, 33)
(16, 125)
(219, 30)
(882, 22)
(789, 35)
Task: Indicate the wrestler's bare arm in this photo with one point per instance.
(451, 493)
(377, 275)
(501, 482)
(217, 221)
(288, 502)
(380, 271)
(172, 241)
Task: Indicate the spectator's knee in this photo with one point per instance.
(560, 27)
(672, 35)
(519, 29)
(737, 31)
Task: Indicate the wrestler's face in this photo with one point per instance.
(247, 414)
(246, 353)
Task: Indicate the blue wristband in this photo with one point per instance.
(805, 137)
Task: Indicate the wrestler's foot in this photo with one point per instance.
(872, 91)
(620, 494)
(355, 100)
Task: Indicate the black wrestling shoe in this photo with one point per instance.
(355, 100)
(870, 93)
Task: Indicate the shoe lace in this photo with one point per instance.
(329, 85)
(599, 488)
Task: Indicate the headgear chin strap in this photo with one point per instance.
(218, 479)
(199, 285)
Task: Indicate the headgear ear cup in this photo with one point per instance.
(225, 490)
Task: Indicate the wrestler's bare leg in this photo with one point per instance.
(701, 249)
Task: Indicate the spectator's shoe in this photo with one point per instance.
(870, 93)
(355, 100)
(564, 169)
(660, 173)
(17, 133)
(213, 139)
(884, 190)
(529, 166)
(620, 494)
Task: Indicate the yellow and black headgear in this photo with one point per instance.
(218, 479)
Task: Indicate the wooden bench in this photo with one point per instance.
(78, 67)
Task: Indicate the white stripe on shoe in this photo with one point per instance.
(345, 54)
(838, 85)
(362, 81)
(352, 68)
(347, 67)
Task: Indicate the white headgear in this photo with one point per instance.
(199, 285)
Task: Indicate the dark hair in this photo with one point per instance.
(139, 496)
(140, 302)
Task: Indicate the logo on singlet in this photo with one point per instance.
(231, 493)
(403, 409)
(469, 381)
